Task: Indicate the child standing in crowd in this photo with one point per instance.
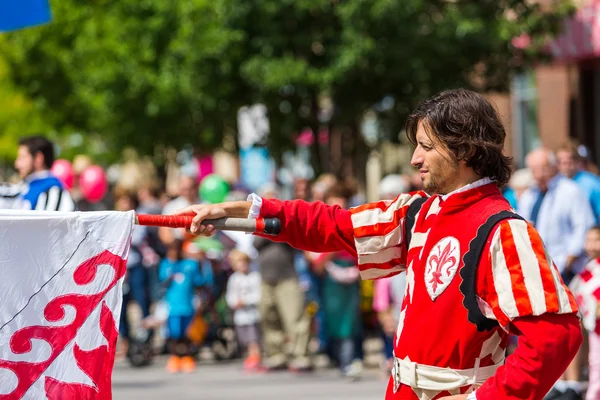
(586, 288)
(180, 276)
(243, 295)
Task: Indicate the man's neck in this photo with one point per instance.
(466, 181)
(36, 175)
(550, 182)
(579, 171)
(472, 185)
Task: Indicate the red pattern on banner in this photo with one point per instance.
(94, 363)
(58, 337)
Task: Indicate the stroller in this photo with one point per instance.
(140, 352)
(222, 337)
(212, 309)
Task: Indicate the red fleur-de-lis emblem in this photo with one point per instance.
(445, 259)
(441, 265)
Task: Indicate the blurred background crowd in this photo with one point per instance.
(152, 106)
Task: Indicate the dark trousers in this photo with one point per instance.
(345, 351)
(137, 290)
(388, 345)
(567, 277)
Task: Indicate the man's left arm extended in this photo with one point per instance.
(313, 226)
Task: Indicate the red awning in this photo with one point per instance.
(581, 36)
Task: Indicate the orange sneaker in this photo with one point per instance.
(174, 364)
(251, 363)
(188, 364)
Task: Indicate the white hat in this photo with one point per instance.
(392, 185)
(521, 179)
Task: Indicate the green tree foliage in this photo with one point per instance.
(137, 72)
(358, 52)
(18, 115)
(147, 72)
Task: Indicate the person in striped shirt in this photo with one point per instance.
(586, 288)
(476, 272)
(39, 189)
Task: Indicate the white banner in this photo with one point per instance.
(61, 278)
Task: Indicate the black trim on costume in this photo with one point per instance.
(410, 218)
(47, 192)
(60, 193)
(469, 270)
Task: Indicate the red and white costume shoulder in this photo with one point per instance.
(586, 289)
(439, 351)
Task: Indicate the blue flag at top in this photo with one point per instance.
(18, 14)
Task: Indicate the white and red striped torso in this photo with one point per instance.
(434, 327)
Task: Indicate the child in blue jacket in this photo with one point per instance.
(181, 276)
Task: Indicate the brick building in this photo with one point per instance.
(551, 103)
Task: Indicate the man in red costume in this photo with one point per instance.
(476, 272)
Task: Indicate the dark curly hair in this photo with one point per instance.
(339, 190)
(469, 126)
(39, 144)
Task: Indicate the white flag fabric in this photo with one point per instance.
(61, 278)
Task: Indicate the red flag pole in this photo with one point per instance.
(269, 226)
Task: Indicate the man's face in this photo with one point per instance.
(566, 163)
(301, 189)
(541, 170)
(24, 164)
(337, 201)
(438, 168)
(592, 243)
(124, 203)
(188, 188)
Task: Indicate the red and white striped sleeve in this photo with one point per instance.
(519, 278)
(379, 235)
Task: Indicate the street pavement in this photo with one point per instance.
(227, 381)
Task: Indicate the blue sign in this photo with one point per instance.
(257, 168)
(18, 14)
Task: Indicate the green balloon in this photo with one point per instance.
(207, 244)
(213, 189)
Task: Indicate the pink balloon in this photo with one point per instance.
(205, 167)
(63, 170)
(93, 184)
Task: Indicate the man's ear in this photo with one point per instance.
(465, 155)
